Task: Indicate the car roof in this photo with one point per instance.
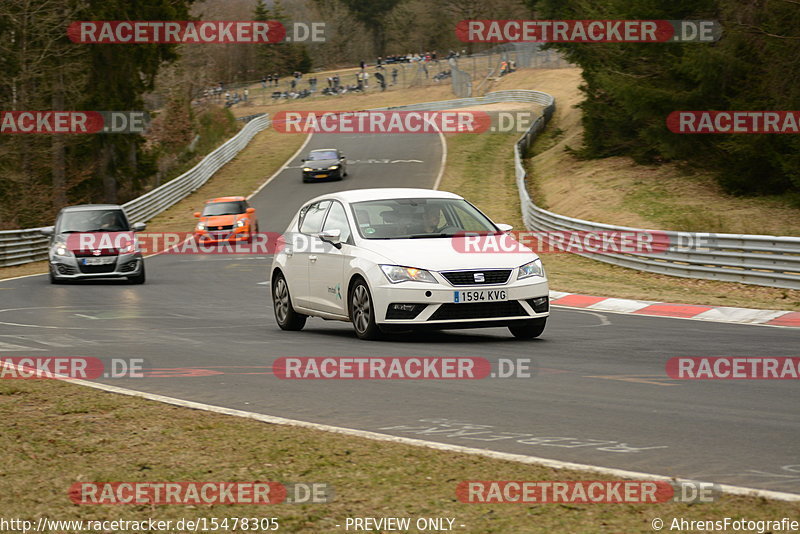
(385, 193)
(225, 199)
(92, 207)
(324, 150)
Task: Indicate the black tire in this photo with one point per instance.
(285, 316)
(362, 311)
(528, 329)
(138, 278)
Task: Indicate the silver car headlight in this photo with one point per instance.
(201, 226)
(60, 249)
(397, 274)
(241, 222)
(533, 268)
(128, 247)
(333, 167)
(307, 169)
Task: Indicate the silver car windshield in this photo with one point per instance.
(419, 218)
(92, 221)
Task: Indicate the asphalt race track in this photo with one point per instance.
(599, 394)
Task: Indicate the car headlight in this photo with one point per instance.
(128, 248)
(533, 268)
(201, 226)
(397, 274)
(60, 249)
(241, 222)
(307, 169)
(333, 167)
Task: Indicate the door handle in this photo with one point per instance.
(312, 258)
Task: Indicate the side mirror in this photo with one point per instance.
(342, 157)
(504, 227)
(333, 237)
(138, 227)
(47, 230)
(250, 210)
(197, 214)
(302, 160)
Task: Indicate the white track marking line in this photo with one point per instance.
(443, 161)
(282, 168)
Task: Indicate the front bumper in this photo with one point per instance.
(322, 174)
(225, 236)
(433, 305)
(72, 267)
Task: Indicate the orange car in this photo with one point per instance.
(226, 219)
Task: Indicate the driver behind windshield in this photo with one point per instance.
(109, 221)
(432, 216)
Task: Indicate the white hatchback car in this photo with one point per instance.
(391, 259)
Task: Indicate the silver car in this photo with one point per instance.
(94, 241)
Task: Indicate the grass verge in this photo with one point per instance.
(616, 190)
(56, 434)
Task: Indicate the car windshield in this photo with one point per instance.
(320, 155)
(92, 221)
(419, 218)
(223, 208)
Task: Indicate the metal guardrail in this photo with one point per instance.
(24, 246)
(749, 259)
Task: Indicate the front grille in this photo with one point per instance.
(91, 254)
(478, 310)
(97, 269)
(467, 278)
(219, 228)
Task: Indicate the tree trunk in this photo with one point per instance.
(106, 174)
(58, 160)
